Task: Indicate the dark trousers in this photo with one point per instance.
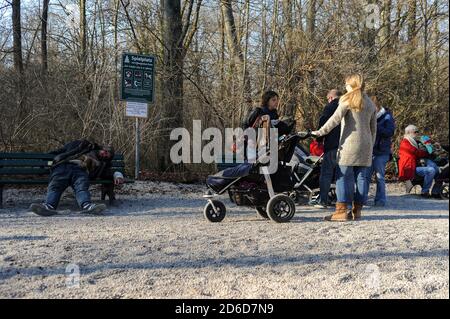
(66, 175)
(327, 174)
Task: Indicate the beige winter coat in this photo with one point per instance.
(358, 132)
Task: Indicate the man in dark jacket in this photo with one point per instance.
(331, 144)
(73, 165)
(381, 151)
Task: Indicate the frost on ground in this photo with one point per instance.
(156, 244)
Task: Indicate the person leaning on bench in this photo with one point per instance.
(73, 165)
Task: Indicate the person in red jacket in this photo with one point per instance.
(411, 151)
(316, 148)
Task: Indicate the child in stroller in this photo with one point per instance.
(267, 193)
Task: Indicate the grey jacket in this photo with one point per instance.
(358, 133)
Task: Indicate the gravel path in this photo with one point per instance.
(156, 244)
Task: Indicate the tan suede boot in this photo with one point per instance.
(340, 215)
(356, 211)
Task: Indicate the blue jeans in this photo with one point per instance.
(66, 175)
(428, 172)
(379, 167)
(346, 178)
(326, 174)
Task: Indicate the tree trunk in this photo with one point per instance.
(425, 85)
(263, 34)
(83, 34)
(230, 32)
(311, 19)
(298, 13)
(436, 57)
(116, 47)
(222, 58)
(274, 33)
(412, 24)
(233, 42)
(398, 24)
(44, 55)
(385, 34)
(246, 94)
(368, 39)
(291, 73)
(18, 60)
(17, 36)
(172, 87)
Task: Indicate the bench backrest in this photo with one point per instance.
(39, 163)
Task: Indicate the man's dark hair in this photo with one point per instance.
(110, 150)
(267, 96)
(334, 92)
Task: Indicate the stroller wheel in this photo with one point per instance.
(281, 208)
(444, 191)
(261, 211)
(214, 215)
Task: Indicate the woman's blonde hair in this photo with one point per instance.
(354, 99)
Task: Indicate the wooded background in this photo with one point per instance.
(60, 60)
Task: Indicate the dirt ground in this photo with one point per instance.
(155, 243)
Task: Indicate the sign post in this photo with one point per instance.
(138, 150)
(137, 89)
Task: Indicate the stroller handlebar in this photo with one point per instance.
(306, 134)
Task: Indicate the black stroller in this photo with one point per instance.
(246, 186)
(306, 172)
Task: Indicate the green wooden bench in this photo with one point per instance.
(34, 169)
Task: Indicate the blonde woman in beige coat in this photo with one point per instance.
(357, 115)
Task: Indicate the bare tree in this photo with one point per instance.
(206, 60)
(176, 37)
(17, 36)
(385, 32)
(311, 18)
(412, 22)
(83, 34)
(44, 23)
(233, 42)
(290, 56)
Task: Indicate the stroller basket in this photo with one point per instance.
(249, 197)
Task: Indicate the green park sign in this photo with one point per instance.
(138, 78)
